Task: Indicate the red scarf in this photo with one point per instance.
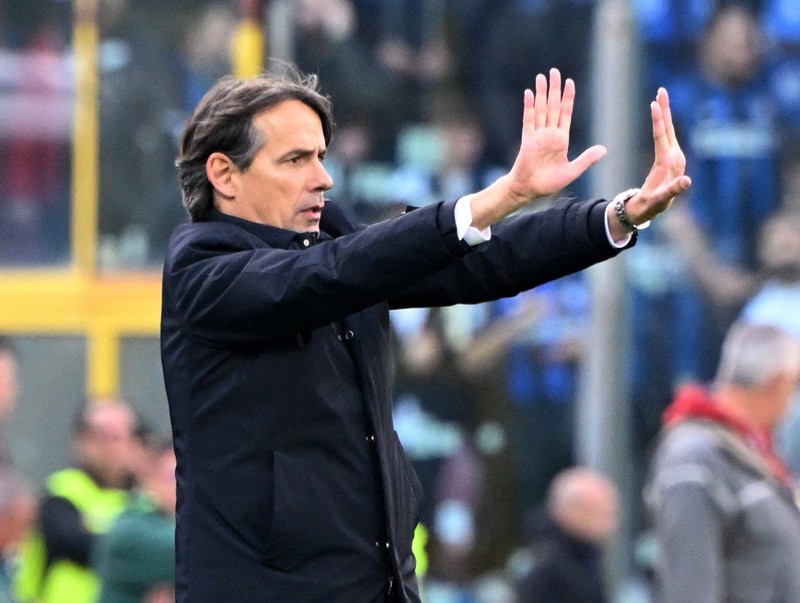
(694, 402)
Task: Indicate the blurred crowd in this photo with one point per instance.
(427, 98)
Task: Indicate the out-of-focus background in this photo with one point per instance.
(492, 400)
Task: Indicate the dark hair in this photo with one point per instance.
(223, 122)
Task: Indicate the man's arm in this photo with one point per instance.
(63, 531)
(689, 530)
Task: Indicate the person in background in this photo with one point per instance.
(581, 514)
(17, 514)
(9, 389)
(135, 559)
(722, 500)
(78, 505)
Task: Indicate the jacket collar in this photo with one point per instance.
(272, 235)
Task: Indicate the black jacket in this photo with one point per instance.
(292, 485)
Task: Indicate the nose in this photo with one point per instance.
(324, 180)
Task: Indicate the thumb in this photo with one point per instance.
(588, 158)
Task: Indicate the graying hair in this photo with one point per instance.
(752, 354)
(223, 122)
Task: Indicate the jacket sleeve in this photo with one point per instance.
(63, 531)
(524, 251)
(222, 284)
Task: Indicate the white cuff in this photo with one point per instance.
(464, 228)
(624, 196)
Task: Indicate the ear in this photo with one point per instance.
(220, 171)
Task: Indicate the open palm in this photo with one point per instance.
(542, 166)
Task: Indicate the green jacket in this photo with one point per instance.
(137, 553)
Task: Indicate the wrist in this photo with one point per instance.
(620, 208)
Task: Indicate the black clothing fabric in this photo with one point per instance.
(292, 484)
(566, 570)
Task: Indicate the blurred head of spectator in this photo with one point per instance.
(331, 19)
(207, 50)
(9, 382)
(104, 441)
(584, 504)
(759, 371)
(732, 48)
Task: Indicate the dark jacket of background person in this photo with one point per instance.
(580, 514)
(566, 568)
(276, 357)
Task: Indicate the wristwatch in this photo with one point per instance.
(621, 213)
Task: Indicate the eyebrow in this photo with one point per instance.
(302, 153)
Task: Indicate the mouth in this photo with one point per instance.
(313, 213)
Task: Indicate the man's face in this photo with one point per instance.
(106, 442)
(285, 183)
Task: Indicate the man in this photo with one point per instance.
(79, 504)
(292, 485)
(581, 513)
(136, 558)
(723, 502)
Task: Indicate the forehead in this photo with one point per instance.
(290, 122)
(109, 416)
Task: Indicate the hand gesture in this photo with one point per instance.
(542, 167)
(666, 179)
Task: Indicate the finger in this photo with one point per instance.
(554, 98)
(671, 189)
(540, 101)
(662, 97)
(528, 111)
(659, 133)
(567, 104)
(588, 158)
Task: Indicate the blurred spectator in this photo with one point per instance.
(326, 43)
(415, 51)
(541, 336)
(732, 126)
(79, 504)
(463, 166)
(722, 499)
(669, 31)
(782, 22)
(34, 221)
(206, 51)
(545, 33)
(9, 388)
(434, 418)
(581, 514)
(140, 93)
(17, 514)
(135, 559)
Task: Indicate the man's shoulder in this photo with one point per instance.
(689, 440)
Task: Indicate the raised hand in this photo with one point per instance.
(542, 166)
(667, 178)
